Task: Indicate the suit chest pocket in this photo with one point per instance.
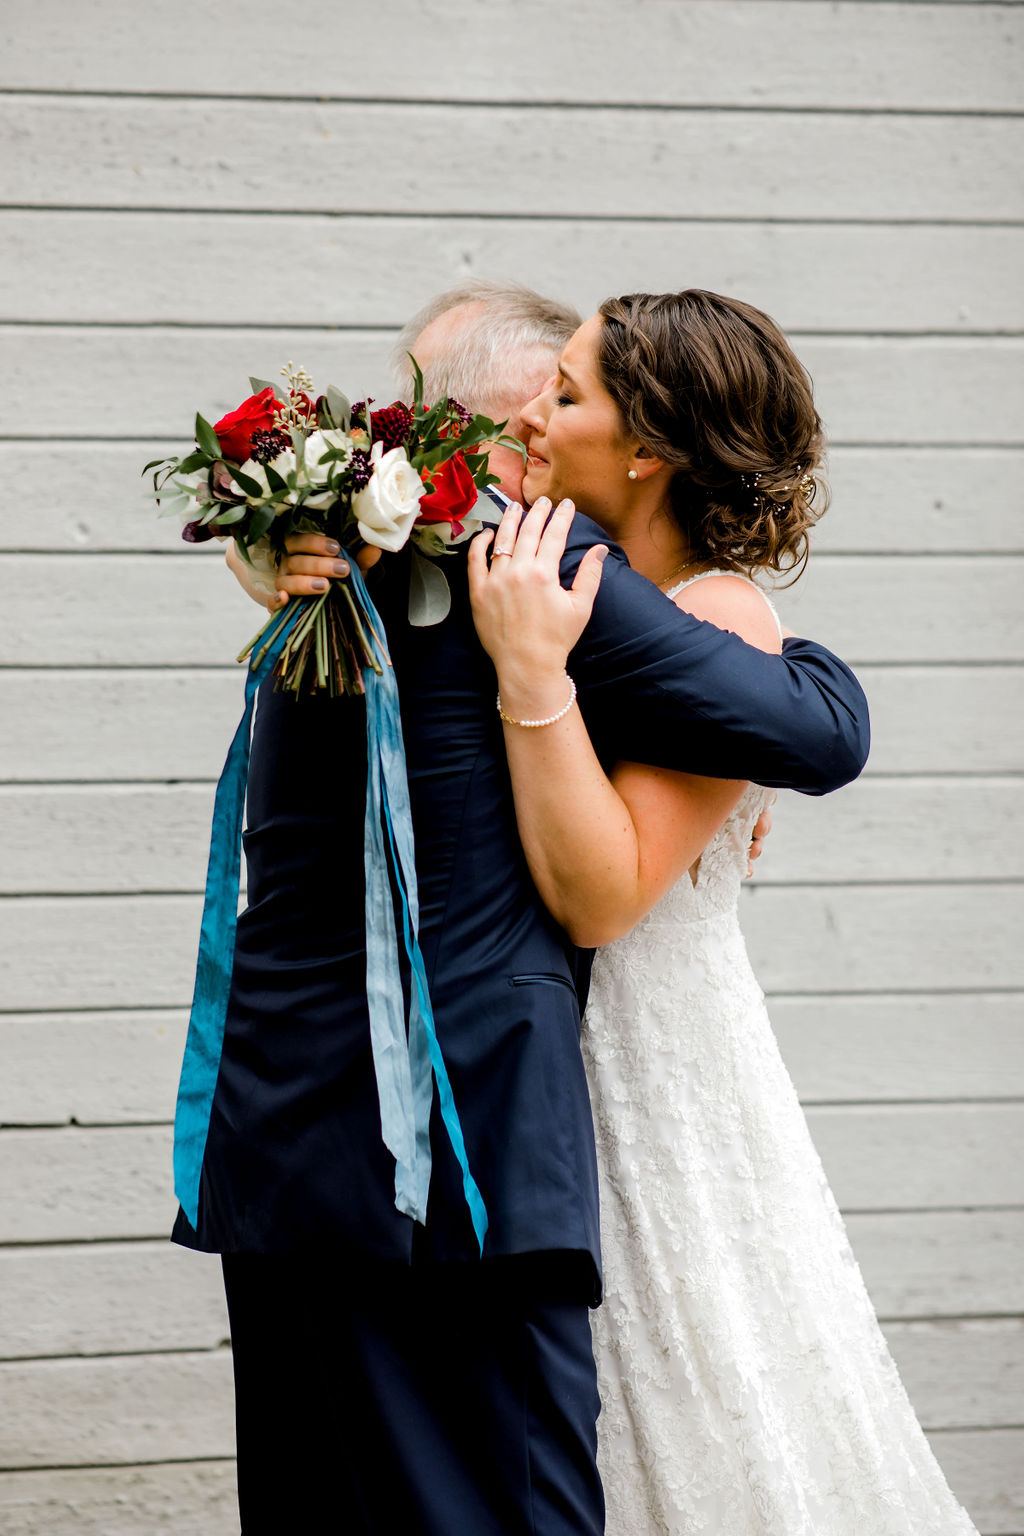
(544, 978)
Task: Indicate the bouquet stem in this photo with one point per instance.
(328, 648)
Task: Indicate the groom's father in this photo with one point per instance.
(388, 1379)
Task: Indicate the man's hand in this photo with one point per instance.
(762, 827)
(306, 570)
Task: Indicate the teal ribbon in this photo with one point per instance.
(205, 1038)
(406, 1064)
(407, 1061)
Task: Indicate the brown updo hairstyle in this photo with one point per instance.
(711, 386)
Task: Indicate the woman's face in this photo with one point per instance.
(574, 435)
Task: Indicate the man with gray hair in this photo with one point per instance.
(384, 1372)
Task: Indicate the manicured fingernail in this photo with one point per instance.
(319, 584)
(602, 553)
(543, 501)
(331, 548)
(341, 567)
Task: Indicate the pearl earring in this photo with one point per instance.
(631, 474)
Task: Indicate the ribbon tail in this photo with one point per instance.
(204, 1041)
(424, 1046)
(384, 995)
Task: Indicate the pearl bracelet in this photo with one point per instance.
(533, 724)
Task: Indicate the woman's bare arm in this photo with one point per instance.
(601, 850)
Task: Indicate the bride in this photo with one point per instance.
(747, 1389)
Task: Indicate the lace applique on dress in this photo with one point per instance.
(747, 1389)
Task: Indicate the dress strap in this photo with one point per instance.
(674, 591)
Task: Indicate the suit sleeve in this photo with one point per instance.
(657, 685)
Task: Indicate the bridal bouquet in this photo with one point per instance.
(287, 462)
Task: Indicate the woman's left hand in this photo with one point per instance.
(527, 621)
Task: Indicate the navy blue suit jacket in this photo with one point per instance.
(294, 1159)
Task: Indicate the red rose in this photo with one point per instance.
(454, 495)
(234, 431)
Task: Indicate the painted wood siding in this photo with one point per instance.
(174, 216)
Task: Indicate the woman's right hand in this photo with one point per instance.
(526, 620)
(307, 569)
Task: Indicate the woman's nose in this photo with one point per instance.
(533, 414)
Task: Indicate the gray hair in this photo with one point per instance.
(491, 364)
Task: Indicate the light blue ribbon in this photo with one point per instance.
(406, 1062)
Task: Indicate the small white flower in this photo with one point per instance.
(389, 504)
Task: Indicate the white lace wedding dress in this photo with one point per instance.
(747, 1389)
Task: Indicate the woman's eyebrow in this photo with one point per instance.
(566, 375)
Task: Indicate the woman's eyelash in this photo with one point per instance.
(564, 400)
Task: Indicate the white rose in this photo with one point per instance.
(255, 471)
(323, 441)
(389, 504)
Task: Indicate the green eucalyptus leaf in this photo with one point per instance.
(228, 515)
(156, 464)
(340, 407)
(417, 382)
(261, 520)
(192, 461)
(259, 385)
(246, 483)
(274, 480)
(206, 437)
(429, 596)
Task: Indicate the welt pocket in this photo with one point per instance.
(548, 978)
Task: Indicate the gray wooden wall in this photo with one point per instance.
(194, 192)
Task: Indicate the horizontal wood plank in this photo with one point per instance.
(195, 1497)
(897, 1049)
(109, 1298)
(938, 56)
(944, 719)
(176, 611)
(113, 1068)
(920, 1264)
(76, 1185)
(96, 1412)
(921, 1156)
(882, 828)
(139, 951)
(962, 1374)
(138, 837)
(125, 152)
(910, 608)
(885, 500)
(884, 938)
(181, 268)
(81, 1184)
(871, 390)
(130, 1298)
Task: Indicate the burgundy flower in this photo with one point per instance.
(391, 425)
(462, 416)
(360, 468)
(198, 533)
(267, 445)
